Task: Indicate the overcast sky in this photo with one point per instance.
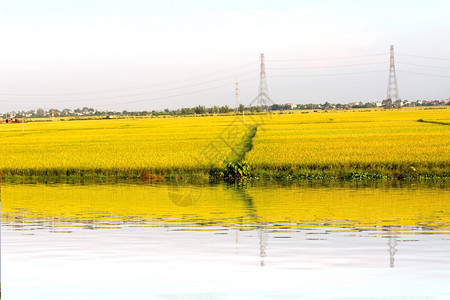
(144, 55)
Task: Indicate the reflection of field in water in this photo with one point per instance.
(222, 242)
(381, 209)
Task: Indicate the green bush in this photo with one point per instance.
(236, 171)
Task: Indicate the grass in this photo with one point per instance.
(348, 145)
(244, 146)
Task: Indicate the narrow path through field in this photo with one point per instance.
(245, 145)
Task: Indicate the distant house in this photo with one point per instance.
(290, 105)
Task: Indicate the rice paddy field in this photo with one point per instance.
(301, 144)
(388, 142)
(126, 146)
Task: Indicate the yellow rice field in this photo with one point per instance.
(155, 144)
(301, 140)
(353, 138)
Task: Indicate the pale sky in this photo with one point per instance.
(144, 55)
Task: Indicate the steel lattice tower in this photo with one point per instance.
(392, 89)
(263, 98)
(237, 95)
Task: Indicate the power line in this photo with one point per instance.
(428, 57)
(326, 67)
(333, 74)
(128, 95)
(427, 66)
(168, 97)
(173, 96)
(426, 74)
(135, 87)
(151, 96)
(329, 58)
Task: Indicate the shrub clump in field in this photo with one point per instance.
(237, 171)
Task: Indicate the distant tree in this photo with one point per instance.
(277, 107)
(387, 103)
(187, 111)
(200, 110)
(224, 109)
(40, 112)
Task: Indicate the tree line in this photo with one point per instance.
(225, 109)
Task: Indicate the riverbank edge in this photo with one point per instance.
(376, 172)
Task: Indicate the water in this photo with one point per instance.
(169, 241)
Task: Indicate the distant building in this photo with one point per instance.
(290, 105)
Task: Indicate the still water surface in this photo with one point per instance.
(169, 241)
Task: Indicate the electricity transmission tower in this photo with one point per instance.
(392, 89)
(263, 98)
(237, 95)
(237, 101)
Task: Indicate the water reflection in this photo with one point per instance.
(316, 211)
(392, 243)
(263, 236)
(212, 228)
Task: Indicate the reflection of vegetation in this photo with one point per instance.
(239, 191)
(227, 205)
